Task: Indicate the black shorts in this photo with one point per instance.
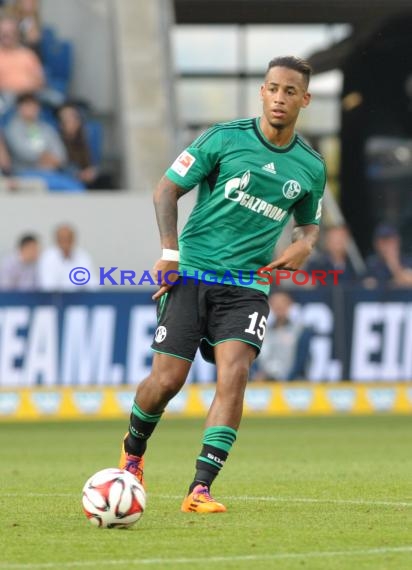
(196, 315)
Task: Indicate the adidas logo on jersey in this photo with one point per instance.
(270, 167)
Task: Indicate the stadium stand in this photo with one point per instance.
(55, 63)
(58, 59)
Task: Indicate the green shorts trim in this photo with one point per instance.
(226, 339)
(170, 354)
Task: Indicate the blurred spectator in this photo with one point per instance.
(80, 163)
(285, 348)
(7, 182)
(26, 13)
(18, 270)
(335, 255)
(33, 144)
(5, 159)
(57, 262)
(20, 69)
(387, 266)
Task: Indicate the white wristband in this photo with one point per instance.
(170, 255)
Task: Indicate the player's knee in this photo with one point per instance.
(235, 372)
(169, 384)
(240, 370)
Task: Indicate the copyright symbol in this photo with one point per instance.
(79, 276)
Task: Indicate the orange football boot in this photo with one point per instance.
(200, 501)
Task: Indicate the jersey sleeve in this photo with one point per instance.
(309, 209)
(197, 161)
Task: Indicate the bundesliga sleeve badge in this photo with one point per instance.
(183, 163)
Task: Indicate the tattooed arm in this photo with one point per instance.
(165, 200)
(303, 240)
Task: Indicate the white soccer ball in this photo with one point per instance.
(113, 498)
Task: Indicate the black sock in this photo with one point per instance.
(141, 428)
(207, 468)
(217, 442)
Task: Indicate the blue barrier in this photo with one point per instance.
(86, 339)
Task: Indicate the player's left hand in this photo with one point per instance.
(169, 272)
(293, 257)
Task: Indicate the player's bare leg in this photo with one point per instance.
(165, 380)
(233, 361)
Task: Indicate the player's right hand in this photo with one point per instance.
(166, 273)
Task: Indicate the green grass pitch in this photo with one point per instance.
(302, 493)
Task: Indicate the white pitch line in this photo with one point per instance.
(325, 501)
(251, 498)
(211, 559)
(40, 494)
(304, 500)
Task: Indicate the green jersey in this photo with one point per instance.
(248, 190)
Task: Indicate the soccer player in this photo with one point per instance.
(253, 174)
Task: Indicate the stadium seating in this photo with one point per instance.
(54, 181)
(94, 133)
(57, 57)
